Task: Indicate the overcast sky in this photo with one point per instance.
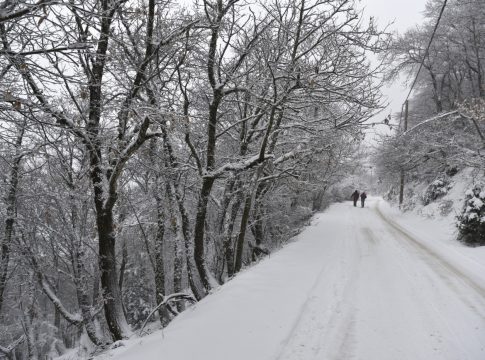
(404, 14)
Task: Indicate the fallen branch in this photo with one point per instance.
(10, 348)
(165, 301)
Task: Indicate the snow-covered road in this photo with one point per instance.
(356, 285)
(387, 297)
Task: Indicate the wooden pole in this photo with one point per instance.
(401, 185)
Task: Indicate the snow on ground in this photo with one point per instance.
(357, 284)
(443, 211)
(452, 202)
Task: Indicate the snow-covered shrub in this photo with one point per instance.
(435, 190)
(391, 193)
(137, 305)
(472, 220)
(451, 171)
(137, 295)
(446, 207)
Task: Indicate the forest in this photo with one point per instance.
(150, 150)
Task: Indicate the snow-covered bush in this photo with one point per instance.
(451, 170)
(435, 190)
(472, 220)
(391, 193)
(445, 207)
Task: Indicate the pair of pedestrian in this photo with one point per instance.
(356, 195)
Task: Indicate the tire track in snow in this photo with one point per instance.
(306, 305)
(387, 280)
(325, 327)
(423, 248)
(337, 340)
(432, 316)
(351, 313)
(440, 267)
(452, 292)
(448, 277)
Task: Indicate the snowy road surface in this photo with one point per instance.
(355, 285)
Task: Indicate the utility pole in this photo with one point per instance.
(401, 186)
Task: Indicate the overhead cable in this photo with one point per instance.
(427, 49)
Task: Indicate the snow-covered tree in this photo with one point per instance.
(471, 224)
(150, 151)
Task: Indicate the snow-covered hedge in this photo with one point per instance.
(471, 222)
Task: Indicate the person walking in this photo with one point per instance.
(363, 196)
(355, 197)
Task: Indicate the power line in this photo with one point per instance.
(427, 49)
(402, 179)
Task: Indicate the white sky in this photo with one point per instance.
(403, 14)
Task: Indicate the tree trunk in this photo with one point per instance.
(226, 200)
(28, 323)
(82, 295)
(476, 47)
(57, 314)
(178, 240)
(83, 300)
(159, 263)
(257, 224)
(113, 308)
(242, 233)
(177, 267)
(228, 231)
(317, 200)
(199, 231)
(183, 218)
(124, 256)
(436, 92)
(11, 202)
(96, 280)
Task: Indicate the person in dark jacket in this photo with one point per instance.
(355, 197)
(363, 196)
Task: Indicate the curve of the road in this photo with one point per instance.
(388, 296)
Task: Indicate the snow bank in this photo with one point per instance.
(438, 237)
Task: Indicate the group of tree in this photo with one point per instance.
(150, 151)
(446, 114)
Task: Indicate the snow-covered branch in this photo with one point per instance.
(238, 166)
(7, 14)
(434, 118)
(7, 350)
(165, 301)
(71, 318)
(137, 140)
